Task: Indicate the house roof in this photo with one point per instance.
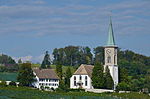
(84, 70)
(45, 73)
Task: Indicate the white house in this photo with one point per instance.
(82, 77)
(46, 78)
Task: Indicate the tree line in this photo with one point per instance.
(134, 69)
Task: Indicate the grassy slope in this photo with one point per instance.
(28, 93)
(64, 68)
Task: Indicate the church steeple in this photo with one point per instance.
(111, 40)
(111, 55)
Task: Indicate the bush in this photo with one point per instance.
(77, 90)
(123, 87)
(42, 87)
(12, 83)
(52, 89)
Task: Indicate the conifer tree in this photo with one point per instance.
(98, 76)
(19, 61)
(68, 75)
(46, 62)
(108, 81)
(59, 70)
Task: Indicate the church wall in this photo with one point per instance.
(89, 85)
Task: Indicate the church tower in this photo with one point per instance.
(111, 55)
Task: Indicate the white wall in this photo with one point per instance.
(114, 74)
(46, 83)
(89, 85)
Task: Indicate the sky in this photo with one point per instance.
(28, 28)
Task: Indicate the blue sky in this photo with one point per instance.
(30, 27)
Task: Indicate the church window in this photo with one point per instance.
(85, 80)
(74, 80)
(80, 77)
(115, 59)
(109, 59)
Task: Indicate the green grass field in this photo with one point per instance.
(11, 92)
(64, 68)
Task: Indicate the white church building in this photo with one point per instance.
(82, 76)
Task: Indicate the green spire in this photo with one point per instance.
(111, 40)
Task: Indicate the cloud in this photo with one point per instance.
(26, 18)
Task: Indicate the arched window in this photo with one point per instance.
(74, 80)
(114, 59)
(80, 77)
(109, 59)
(85, 80)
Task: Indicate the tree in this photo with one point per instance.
(147, 81)
(68, 75)
(108, 81)
(123, 86)
(46, 62)
(123, 75)
(73, 55)
(59, 70)
(25, 76)
(19, 61)
(99, 54)
(98, 76)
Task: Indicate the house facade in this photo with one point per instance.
(78, 79)
(45, 78)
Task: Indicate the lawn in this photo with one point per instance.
(28, 93)
(64, 68)
(11, 92)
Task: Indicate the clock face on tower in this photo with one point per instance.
(108, 51)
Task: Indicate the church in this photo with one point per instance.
(82, 76)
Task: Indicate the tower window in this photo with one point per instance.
(109, 59)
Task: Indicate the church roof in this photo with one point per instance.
(111, 40)
(84, 70)
(45, 73)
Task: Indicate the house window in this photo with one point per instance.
(80, 77)
(74, 80)
(85, 80)
(109, 59)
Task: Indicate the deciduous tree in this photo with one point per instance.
(25, 76)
